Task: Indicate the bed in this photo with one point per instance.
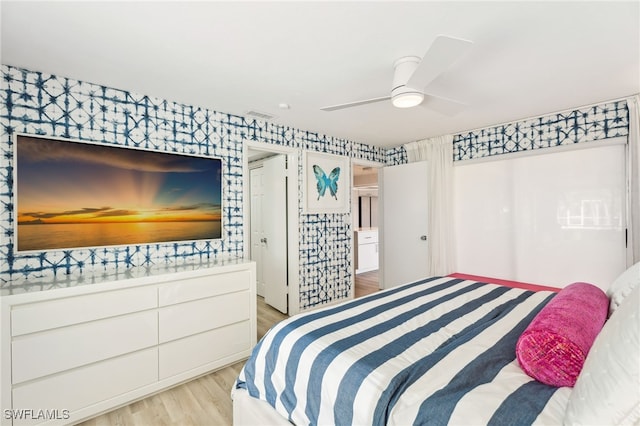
(437, 351)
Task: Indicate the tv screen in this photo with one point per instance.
(74, 194)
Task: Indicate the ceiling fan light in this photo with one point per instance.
(407, 100)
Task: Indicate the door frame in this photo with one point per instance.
(293, 268)
(377, 165)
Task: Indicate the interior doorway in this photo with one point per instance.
(365, 201)
(271, 223)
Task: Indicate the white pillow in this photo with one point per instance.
(607, 391)
(622, 286)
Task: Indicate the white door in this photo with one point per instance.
(257, 233)
(274, 225)
(403, 213)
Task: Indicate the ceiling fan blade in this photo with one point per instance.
(445, 106)
(356, 103)
(441, 55)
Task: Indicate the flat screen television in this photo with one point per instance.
(71, 194)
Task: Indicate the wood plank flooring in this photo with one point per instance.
(267, 317)
(206, 400)
(366, 283)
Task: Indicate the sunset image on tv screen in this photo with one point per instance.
(72, 195)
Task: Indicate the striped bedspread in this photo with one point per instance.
(438, 351)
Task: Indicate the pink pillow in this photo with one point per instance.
(553, 347)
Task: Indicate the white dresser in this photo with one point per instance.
(366, 249)
(78, 347)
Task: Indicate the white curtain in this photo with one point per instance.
(439, 153)
(633, 234)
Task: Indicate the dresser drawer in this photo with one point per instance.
(201, 287)
(190, 318)
(194, 351)
(41, 354)
(367, 237)
(41, 316)
(79, 388)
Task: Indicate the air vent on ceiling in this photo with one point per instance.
(259, 115)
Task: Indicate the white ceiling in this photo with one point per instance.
(528, 58)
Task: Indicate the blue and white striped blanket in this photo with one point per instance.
(438, 351)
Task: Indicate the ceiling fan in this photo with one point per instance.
(412, 74)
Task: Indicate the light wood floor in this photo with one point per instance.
(206, 400)
(366, 283)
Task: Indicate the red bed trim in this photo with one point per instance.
(508, 283)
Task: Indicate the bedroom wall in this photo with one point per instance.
(506, 212)
(43, 104)
(589, 124)
(38, 103)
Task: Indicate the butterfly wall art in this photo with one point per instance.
(326, 183)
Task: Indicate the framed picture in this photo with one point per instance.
(326, 183)
(73, 194)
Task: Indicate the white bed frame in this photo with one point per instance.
(250, 411)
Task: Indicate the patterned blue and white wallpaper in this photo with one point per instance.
(599, 122)
(42, 104)
(594, 123)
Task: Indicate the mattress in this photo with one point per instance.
(437, 351)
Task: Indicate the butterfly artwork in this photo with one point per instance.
(325, 182)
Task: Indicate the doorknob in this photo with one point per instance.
(423, 237)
